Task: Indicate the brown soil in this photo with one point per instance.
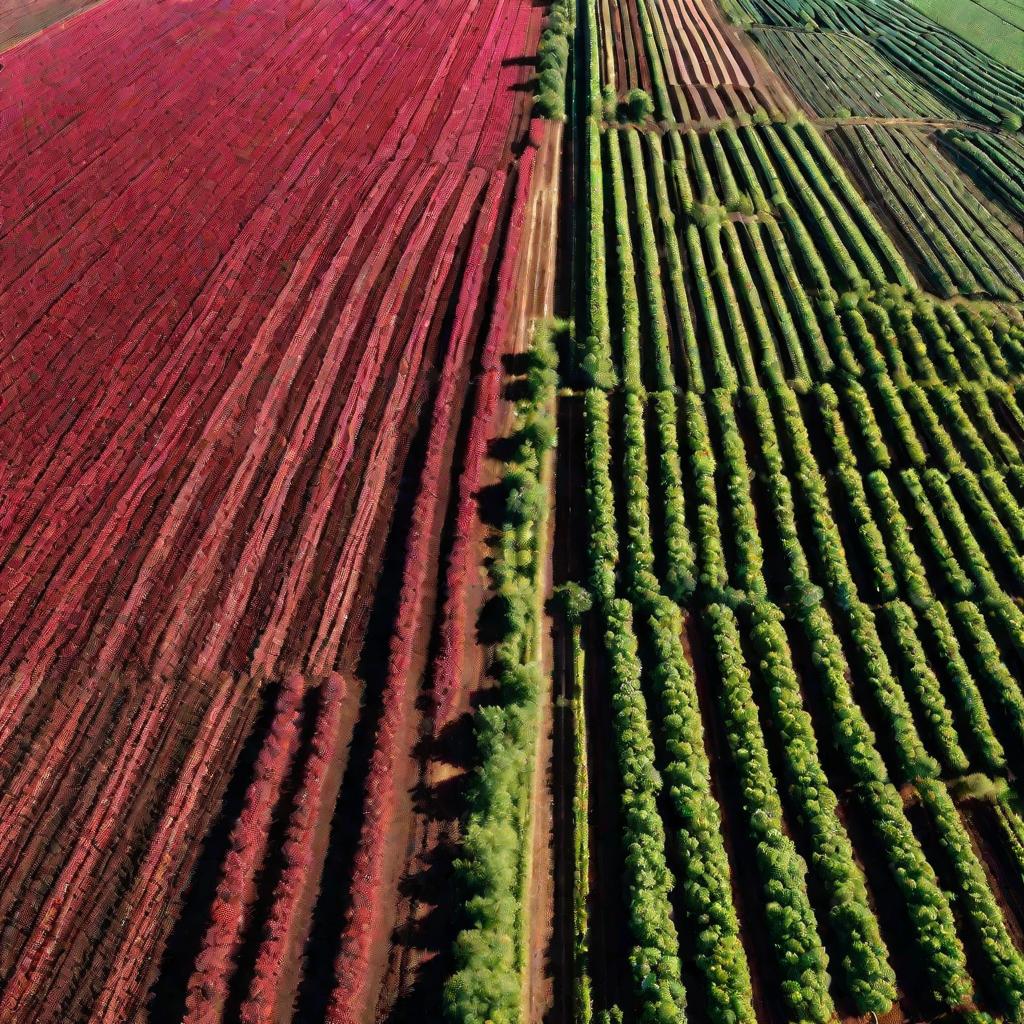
(54, 830)
(1003, 873)
(569, 558)
(775, 91)
(20, 19)
(537, 301)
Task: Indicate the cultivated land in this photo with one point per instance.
(995, 26)
(252, 256)
(470, 563)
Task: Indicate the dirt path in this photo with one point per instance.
(710, 123)
(913, 122)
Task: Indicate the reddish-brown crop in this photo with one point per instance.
(208, 985)
(260, 1006)
(243, 247)
(452, 626)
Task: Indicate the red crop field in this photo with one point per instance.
(255, 265)
(684, 54)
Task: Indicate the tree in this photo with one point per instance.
(573, 601)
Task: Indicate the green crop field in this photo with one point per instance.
(995, 26)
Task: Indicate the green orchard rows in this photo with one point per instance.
(742, 303)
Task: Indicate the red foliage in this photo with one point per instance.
(47, 944)
(124, 985)
(260, 1005)
(208, 985)
(368, 867)
(147, 400)
(230, 236)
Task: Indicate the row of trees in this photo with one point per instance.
(493, 869)
(232, 905)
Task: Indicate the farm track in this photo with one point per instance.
(826, 123)
(536, 302)
(203, 453)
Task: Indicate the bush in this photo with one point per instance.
(552, 62)
(550, 105)
(636, 107)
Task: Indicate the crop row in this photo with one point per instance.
(995, 162)
(870, 639)
(967, 248)
(838, 75)
(159, 364)
(398, 696)
(700, 242)
(232, 905)
(297, 851)
(202, 453)
(682, 55)
(952, 69)
(109, 836)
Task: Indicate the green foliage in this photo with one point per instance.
(572, 601)
(1005, 966)
(486, 986)
(802, 960)
(576, 602)
(917, 676)
(692, 373)
(679, 554)
(553, 60)
(632, 374)
(549, 103)
(636, 107)
(654, 955)
(597, 368)
(979, 787)
(639, 547)
(863, 957)
(604, 542)
(654, 297)
(712, 575)
(704, 883)
(934, 929)
(882, 576)
(748, 575)
(984, 655)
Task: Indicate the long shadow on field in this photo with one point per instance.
(333, 901)
(167, 997)
(431, 931)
